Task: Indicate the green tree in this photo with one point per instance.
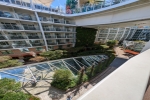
(71, 3)
(82, 77)
(63, 79)
(7, 61)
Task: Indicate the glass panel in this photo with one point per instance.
(4, 75)
(59, 64)
(89, 60)
(82, 65)
(73, 63)
(82, 61)
(74, 71)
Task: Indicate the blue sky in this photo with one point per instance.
(60, 3)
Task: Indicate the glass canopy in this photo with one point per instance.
(45, 70)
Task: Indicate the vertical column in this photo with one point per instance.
(107, 34)
(123, 34)
(116, 34)
(128, 33)
(43, 35)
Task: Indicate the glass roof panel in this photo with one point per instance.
(89, 60)
(22, 71)
(74, 71)
(16, 78)
(81, 64)
(82, 61)
(59, 64)
(73, 63)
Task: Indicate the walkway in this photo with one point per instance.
(121, 58)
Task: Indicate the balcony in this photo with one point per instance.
(37, 44)
(70, 22)
(48, 36)
(11, 27)
(26, 17)
(51, 43)
(34, 37)
(21, 45)
(59, 29)
(3, 37)
(69, 36)
(59, 21)
(17, 37)
(26, 27)
(5, 46)
(44, 19)
(60, 36)
(6, 14)
(48, 29)
(61, 42)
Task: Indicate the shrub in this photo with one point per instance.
(63, 79)
(10, 90)
(38, 59)
(111, 43)
(52, 55)
(6, 61)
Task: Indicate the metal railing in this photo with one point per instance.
(61, 36)
(11, 27)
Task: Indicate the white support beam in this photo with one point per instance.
(41, 28)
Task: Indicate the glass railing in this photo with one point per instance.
(20, 45)
(51, 43)
(60, 36)
(11, 26)
(34, 37)
(48, 36)
(31, 27)
(37, 44)
(17, 37)
(6, 14)
(5, 46)
(26, 17)
(90, 7)
(3, 37)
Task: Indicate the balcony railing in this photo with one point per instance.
(3, 37)
(37, 44)
(31, 27)
(70, 22)
(51, 43)
(34, 37)
(5, 46)
(59, 21)
(26, 17)
(48, 29)
(61, 42)
(46, 19)
(6, 14)
(48, 36)
(60, 36)
(20, 45)
(11, 27)
(16, 37)
(89, 7)
(69, 37)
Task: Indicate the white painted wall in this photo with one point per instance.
(123, 14)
